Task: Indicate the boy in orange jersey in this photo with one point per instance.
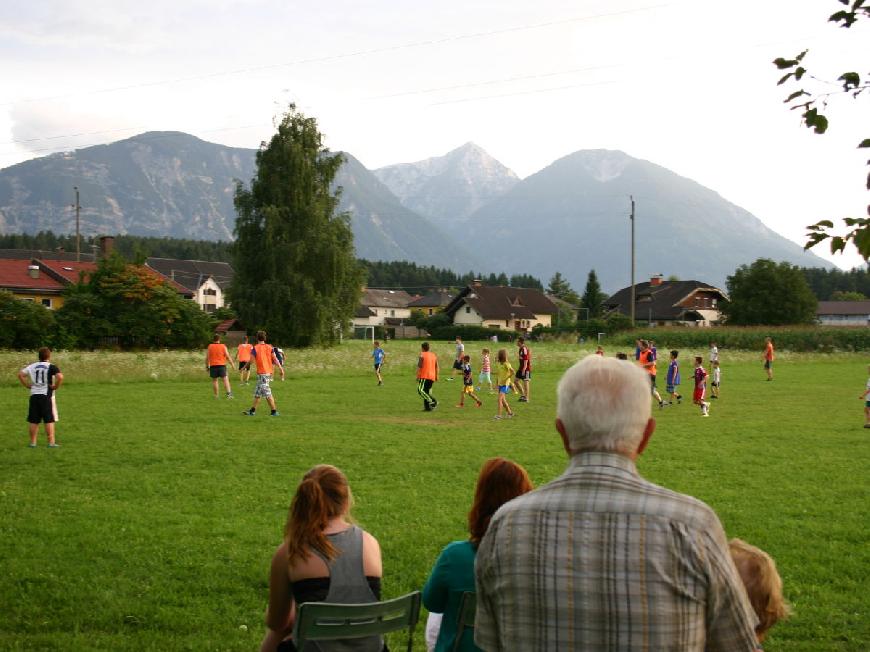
(216, 359)
(264, 357)
(768, 357)
(243, 358)
(427, 375)
(647, 360)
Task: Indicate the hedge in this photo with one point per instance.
(788, 338)
(471, 333)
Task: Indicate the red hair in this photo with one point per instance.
(500, 480)
(322, 495)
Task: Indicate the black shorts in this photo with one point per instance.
(457, 364)
(524, 375)
(218, 371)
(244, 365)
(40, 409)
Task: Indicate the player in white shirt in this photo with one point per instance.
(714, 383)
(42, 379)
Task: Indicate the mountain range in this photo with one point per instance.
(462, 211)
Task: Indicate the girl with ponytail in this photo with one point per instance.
(325, 557)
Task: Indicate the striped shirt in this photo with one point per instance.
(601, 559)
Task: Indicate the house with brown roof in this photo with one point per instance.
(206, 281)
(501, 308)
(432, 302)
(670, 302)
(843, 313)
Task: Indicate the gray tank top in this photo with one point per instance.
(347, 585)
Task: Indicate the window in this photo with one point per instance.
(209, 307)
(47, 303)
(431, 312)
(467, 310)
(210, 292)
(392, 313)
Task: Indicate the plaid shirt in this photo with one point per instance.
(601, 559)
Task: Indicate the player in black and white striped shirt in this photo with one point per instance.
(41, 378)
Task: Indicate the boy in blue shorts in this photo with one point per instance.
(467, 383)
(378, 356)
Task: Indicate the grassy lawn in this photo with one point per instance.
(152, 527)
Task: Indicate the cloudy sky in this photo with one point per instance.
(686, 84)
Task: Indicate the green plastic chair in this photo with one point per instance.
(327, 621)
(467, 609)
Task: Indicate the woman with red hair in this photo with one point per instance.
(500, 480)
(324, 558)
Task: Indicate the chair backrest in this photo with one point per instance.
(327, 621)
(467, 609)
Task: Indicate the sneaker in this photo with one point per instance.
(34, 445)
(705, 414)
(479, 404)
(434, 405)
(274, 413)
(459, 405)
(661, 405)
(55, 445)
(248, 413)
(230, 395)
(380, 382)
(679, 400)
(523, 399)
(496, 417)
(867, 425)
(510, 415)
(713, 397)
(450, 379)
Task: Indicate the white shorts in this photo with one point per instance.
(263, 389)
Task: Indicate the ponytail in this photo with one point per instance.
(322, 495)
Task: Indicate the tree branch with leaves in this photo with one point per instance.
(813, 105)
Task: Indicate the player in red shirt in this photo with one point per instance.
(524, 369)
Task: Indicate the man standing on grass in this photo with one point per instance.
(264, 357)
(457, 361)
(599, 558)
(427, 375)
(243, 357)
(768, 357)
(216, 359)
(42, 379)
(647, 360)
(524, 369)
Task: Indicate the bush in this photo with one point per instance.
(24, 324)
(470, 333)
(794, 338)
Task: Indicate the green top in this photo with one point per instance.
(452, 575)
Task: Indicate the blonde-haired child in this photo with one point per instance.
(763, 585)
(505, 374)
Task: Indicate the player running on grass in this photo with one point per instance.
(216, 358)
(243, 358)
(467, 383)
(266, 360)
(504, 375)
(701, 387)
(378, 356)
(673, 379)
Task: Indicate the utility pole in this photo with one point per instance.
(632, 259)
(78, 208)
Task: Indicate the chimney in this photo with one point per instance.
(476, 283)
(33, 271)
(107, 245)
(656, 280)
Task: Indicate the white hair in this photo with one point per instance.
(604, 404)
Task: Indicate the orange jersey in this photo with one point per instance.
(218, 356)
(427, 370)
(645, 359)
(768, 351)
(245, 352)
(263, 355)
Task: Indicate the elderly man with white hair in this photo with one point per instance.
(599, 558)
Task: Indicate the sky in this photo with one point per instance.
(686, 84)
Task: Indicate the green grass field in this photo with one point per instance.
(152, 527)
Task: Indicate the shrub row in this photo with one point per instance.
(794, 338)
(471, 333)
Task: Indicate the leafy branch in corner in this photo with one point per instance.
(813, 106)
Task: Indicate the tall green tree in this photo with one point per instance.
(561, 288)
(770, 294)
(295, 271)
(593, 297)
